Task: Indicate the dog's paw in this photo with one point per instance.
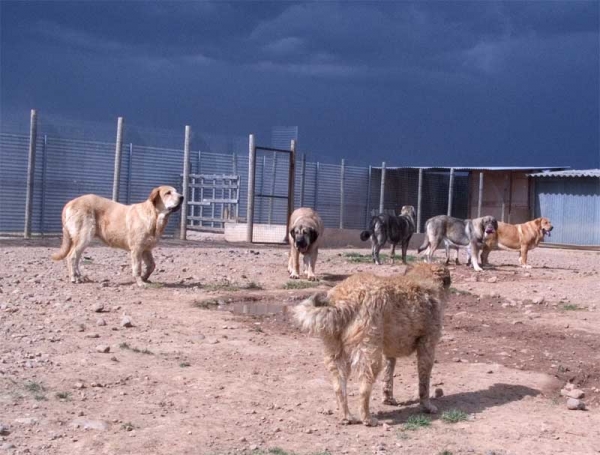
(294, 276)
(370, 422)
(526, 266)
(391, 401)
(312, 278)
(429, 408)
(349, 420)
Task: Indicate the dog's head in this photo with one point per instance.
(166, 199)
(544, 225)
(438, 273)
(303, 237)
(489, 226)
(408, 210)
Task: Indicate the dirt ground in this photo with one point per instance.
(192, 377)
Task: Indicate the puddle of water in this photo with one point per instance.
(258, 308)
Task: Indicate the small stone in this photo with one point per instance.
(574, 393)
(4, 431)
(102, 348)
(90, 424)
(99, 307)
(243, 439)
(539, 300)
(385, 427)
(126, 322)
(100, 322)
(79, 385)
(8, 446)
(493, 279)
(439, 392)
(575, 405)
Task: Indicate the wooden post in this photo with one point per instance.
(480, 199)
(186, 183)
(382, 190)
(291, 186)
(419, 200)
(450, 191)
(251, 176)
(342, 178)
(30, 173)
(117, 170)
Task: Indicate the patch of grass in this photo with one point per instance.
(417, 421)
(134, 349)
(63, 396)
(154, 284)
(230, 286)
(571, 307)
(300, 284)
(34, 387)
(280, 451)
(127, 426)
(40, 397)
(445, 452)
(205, 304)
(454, 416)
(185, 364)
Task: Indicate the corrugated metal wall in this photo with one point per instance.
(573, 206)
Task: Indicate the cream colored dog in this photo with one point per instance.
(306, 229)
(135, 228)
(367, 318)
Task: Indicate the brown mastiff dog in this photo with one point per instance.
(135, 228)
(517, 237)
(306, 229)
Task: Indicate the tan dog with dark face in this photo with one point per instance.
(135, 228)
(517, 237)
(306, 229)
(367, 318)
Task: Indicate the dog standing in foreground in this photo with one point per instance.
(366, 318)
(396, 229)
(456, 233)
(135, 228)
(517, 237)
(306, 230)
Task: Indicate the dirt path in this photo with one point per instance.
(190, 379)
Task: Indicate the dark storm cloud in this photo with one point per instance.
(471, 79)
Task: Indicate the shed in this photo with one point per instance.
(571, 200)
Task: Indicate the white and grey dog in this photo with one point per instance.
(457, 233)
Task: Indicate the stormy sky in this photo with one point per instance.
(413, 83)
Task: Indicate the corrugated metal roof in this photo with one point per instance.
(481, 168)
(569, 173)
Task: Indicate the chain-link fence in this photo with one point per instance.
(345, 196)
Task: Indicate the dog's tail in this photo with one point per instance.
(364, 235)
(65, 247)
(316, 316)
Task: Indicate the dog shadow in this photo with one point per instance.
(333, 277)
(468, 402)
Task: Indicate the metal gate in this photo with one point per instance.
(213, 200)
(270, 193)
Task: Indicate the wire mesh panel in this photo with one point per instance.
(356, 191)
(13, 181)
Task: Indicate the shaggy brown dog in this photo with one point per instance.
(367, 317)
(517, 237)
(135, 228)
(306, 229)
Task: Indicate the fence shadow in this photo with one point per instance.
(469, 402)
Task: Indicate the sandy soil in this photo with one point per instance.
(192, 377)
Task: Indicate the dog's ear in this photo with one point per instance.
(293, 233)
(313, 235)
(154, 195)
(495, 223)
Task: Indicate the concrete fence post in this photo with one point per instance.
(251, 176)
(419, 200)
(382, 190)
(368, 204)
(185, 183)
(117, 169)
(342, 198)
(291, 185)
(30, 173)
(480, 199)
(450, 191)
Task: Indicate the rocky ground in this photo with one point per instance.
(206, 361)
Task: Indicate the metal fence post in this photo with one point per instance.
(186, 183)
(450, 191)
(302, 177)
(117, 171)
(30, 173)
(43, 205)
(291, 186)
(273, 176)
(129, 173)
(368, 214)
(317, 169)
(480, 200)
(382, 190)
(251, 176)
(419, 200)
(342, 178)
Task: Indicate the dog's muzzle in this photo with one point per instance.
(547, 232)
(178, 206)
(302, 246)
(490, 230)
